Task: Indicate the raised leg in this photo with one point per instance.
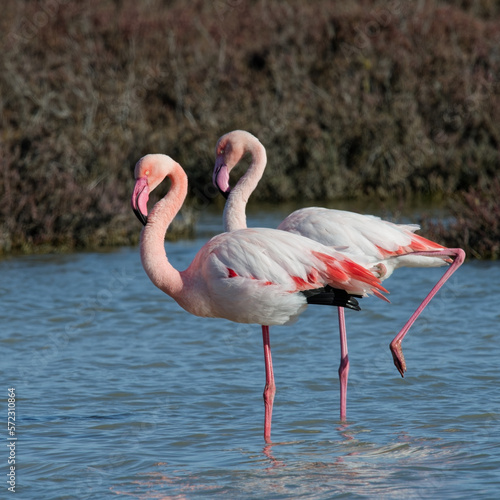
(397, 353)
(270, 389)
(344, 365)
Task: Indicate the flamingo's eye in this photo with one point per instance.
(147, 172)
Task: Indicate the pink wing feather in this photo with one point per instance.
(290, 261)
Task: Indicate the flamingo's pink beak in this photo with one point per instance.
(220, 177)
(140, 198)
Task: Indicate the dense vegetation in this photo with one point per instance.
(351, 99)
(475, 223)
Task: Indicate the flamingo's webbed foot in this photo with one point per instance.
(398, 357)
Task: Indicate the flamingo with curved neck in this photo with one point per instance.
(389, 245)
(263, 276)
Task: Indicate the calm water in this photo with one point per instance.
(122, 393)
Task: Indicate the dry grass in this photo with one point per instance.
(351, 99)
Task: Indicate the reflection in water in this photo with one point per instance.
(343, 429)
(317, 470)
(275, 462)
(268, 453)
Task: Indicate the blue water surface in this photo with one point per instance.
(121, 393)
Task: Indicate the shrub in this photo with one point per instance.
(474, 224)
(351, 99)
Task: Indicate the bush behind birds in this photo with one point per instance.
(351, 100)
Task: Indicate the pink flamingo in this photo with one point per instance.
(388, 245)
(262, 276)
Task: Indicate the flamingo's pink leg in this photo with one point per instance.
(270, 389)
(395, 345)
(344, 365)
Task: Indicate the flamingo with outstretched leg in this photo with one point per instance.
(263, 276)
(389, 245)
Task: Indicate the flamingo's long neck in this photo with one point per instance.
(153, 255)
(234, 210)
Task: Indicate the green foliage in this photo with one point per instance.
(351, 99)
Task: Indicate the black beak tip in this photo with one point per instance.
(224, 193)
(142, 218)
